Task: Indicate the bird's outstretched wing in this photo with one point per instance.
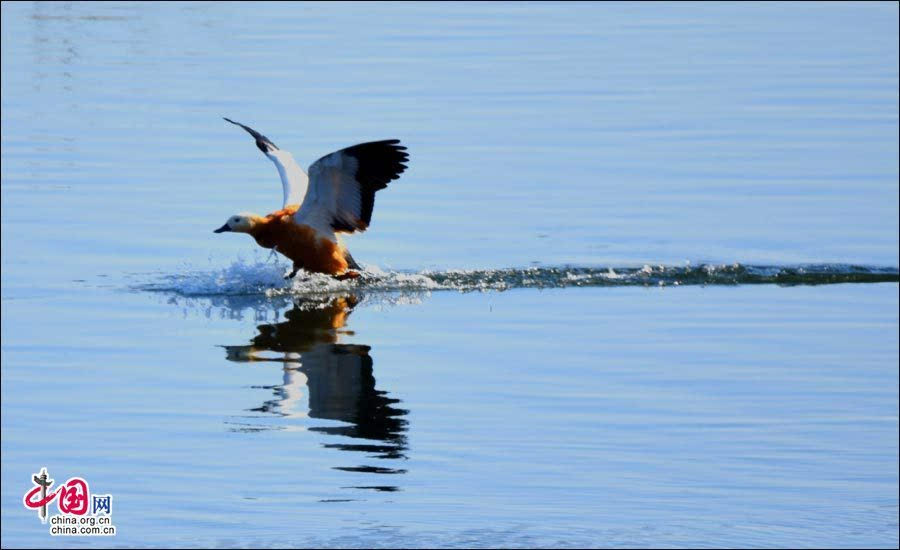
(293, 180)
(342, 187)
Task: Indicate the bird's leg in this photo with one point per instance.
(347, 275)
(292, 273)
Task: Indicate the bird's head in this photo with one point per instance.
(239, 223)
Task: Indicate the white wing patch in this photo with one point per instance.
(334, 194)
(293, 179)
(342, 187)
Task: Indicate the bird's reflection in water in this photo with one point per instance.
(325, 379)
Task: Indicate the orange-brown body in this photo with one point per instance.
(299, 243)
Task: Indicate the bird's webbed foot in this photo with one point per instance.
(292, 273)
(347, 275)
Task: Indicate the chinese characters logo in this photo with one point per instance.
(73, 499)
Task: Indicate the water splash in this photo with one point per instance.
(258, 278)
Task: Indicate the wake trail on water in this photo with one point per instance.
(254, 278)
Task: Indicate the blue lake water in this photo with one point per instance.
(638, 286)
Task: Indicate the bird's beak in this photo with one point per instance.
(222, 229)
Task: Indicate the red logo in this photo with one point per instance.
(71, 497)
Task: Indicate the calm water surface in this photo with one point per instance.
(605, 404)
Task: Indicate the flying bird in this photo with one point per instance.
(337, 197)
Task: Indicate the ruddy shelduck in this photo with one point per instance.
(337, 197)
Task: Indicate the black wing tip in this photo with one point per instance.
(262, 142)
(401, 157)
(395, 144)
(380, 162)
